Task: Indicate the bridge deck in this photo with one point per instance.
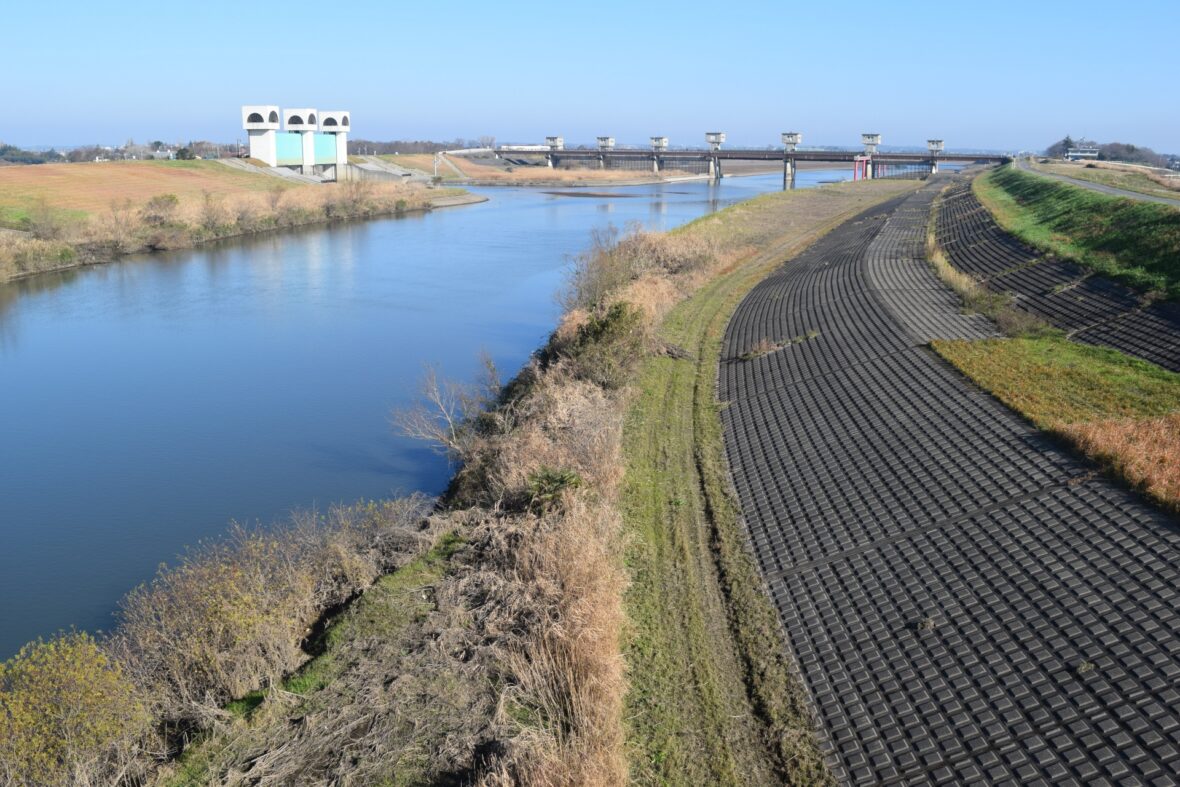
(755, 155)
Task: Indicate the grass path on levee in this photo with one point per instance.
(713, 697)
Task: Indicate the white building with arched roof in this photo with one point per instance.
(308, 140)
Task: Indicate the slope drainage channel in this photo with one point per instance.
(966, 602)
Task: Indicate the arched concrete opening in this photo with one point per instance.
(311, 120)
(295, 120)
(256, 118)
(345, 120)
(274, 117)
(330, 122)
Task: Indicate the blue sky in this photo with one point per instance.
(995, 74)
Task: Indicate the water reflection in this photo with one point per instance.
(147, 402)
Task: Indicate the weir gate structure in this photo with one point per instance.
(866, 163)
(313, 142)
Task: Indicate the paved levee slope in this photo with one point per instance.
(965, 601)
(1092, 309)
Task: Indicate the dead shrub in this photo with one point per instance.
(159, 210)
(116, 229)
(1017, 323)
(558, 590)
(231, 616)
(564, 423)
(213, 213)
(615, 260)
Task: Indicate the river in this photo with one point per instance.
(145, 404)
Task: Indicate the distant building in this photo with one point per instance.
(1082, 152)
(313, 142)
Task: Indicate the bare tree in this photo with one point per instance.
(456, 417)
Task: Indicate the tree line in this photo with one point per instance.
(1110, 151)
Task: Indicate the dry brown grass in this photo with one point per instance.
(180, 219)
(1122, 412)
(977, 297)
(1143, 179)
(1146, 452)
(91, 187)
(423, 162)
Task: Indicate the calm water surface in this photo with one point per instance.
(145, 404)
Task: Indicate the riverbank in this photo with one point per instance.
(62, 216)
(497, 655)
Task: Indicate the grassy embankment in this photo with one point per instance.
(497, 658)
(712, 697)
(1130, 178)
(77, 214)
(1121, 412)
(1137, 243)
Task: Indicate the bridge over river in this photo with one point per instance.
(866, 163)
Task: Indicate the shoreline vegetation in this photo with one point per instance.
(59, 216)
(578, 602)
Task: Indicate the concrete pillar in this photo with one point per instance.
(933, 166)
(308, 139)
(341, 150)
(655, 163)
(548, 160)
(714, 168)
(601, 161)
(869, 169)
(262, 146)
(788, 173)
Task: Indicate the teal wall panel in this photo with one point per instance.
(325, 148)
(289, 148)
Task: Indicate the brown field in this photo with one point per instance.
(92, 187)
(423, 162)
